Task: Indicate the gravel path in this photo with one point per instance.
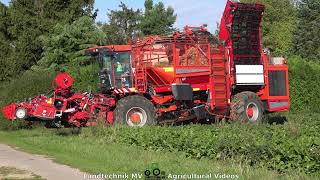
(37, 164)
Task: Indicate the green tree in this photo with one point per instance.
(126, 23)
(279, 24)
(307, 36)
(7, 67)
(64, 11)
(123, 25)
(23, 29)
(3, 22)
(157, 19)
(27, 20)
(64, 47)
(64, 50)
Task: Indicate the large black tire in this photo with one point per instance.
(137, 105)
(246, 107)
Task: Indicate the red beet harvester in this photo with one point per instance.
(185, 77)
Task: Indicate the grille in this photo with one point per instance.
(277, 83)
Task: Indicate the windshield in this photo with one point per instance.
(116, 66)
(122, 69)
(106, 62)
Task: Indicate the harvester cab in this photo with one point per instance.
(114, 66)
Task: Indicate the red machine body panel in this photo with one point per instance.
(9, 111)
(276, 101)
(44, 110)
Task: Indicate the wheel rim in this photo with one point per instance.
(136, 116)
(21, 113)
(252, 112)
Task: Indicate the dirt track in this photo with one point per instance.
(37, 164)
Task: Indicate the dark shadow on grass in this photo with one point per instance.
(19, 125)
(276, 119)
(68, 131)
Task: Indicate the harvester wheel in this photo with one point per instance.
(246, 107)
(135, 111)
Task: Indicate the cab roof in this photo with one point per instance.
(116, 48)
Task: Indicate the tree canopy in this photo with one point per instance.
(24, 22)
(6, 65)
(157, 19)
(127, 23)
(123, 24)
(307, 36)
(64, 47)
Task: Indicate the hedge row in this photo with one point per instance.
(304, 78)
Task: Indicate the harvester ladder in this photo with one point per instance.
(218, 82)
(141, 79)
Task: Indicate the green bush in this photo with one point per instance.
(304, 78)
(292, 146)
(27, 85)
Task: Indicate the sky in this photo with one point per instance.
(189, 12)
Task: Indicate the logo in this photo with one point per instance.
(153, 172)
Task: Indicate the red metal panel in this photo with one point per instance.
(264, 93)
(45, 110)
(9, 111)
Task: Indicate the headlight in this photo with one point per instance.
(21, 113)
